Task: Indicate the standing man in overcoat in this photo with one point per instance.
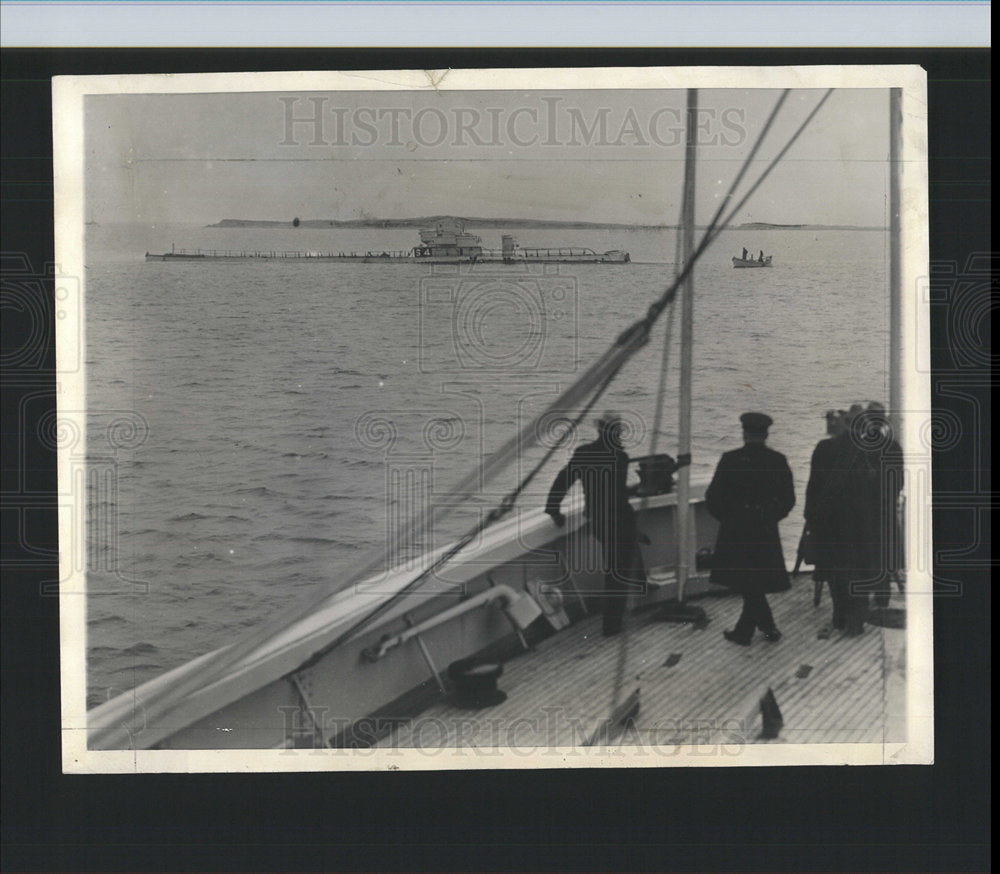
(602, 469)
(857, 505)
(822, 466)
(751, 492)
(883, 482)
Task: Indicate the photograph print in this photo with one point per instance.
(493, 419)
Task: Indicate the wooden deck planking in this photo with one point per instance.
(569, 684)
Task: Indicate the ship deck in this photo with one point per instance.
(664, 683)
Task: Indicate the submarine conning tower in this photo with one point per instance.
(508, 243)
(448, 238)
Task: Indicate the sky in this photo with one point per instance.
(597, 156)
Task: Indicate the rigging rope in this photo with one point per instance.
(495, 515)
(594, 379)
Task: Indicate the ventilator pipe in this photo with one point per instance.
(520, 607)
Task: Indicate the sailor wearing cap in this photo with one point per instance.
(835, 422)
(752, 490)
(756, 423)
(602, 469)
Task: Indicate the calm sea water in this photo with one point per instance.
(240, 408)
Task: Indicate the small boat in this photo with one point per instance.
(752, 262)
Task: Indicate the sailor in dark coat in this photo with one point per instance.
(752, 490)
(885, 457)
(857, 507)
(602, 469)
(821, 468)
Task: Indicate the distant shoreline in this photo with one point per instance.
(511, 223)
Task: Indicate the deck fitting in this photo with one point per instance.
(770, 715)
(674, 611)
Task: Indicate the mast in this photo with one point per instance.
(684, 540)
(895, 261)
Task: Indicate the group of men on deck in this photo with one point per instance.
(854, 485)
(852, 528)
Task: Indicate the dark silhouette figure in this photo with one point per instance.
(602, 469)
(880, 445)
(752, 491)
(855, 504)
(821, 468)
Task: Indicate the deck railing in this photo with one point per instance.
(274, 254)
(520, 254)
(566, 251)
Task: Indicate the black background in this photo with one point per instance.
(872, 818)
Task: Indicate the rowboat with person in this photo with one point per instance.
(747, 260)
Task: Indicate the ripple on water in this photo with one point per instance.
(808, 335)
